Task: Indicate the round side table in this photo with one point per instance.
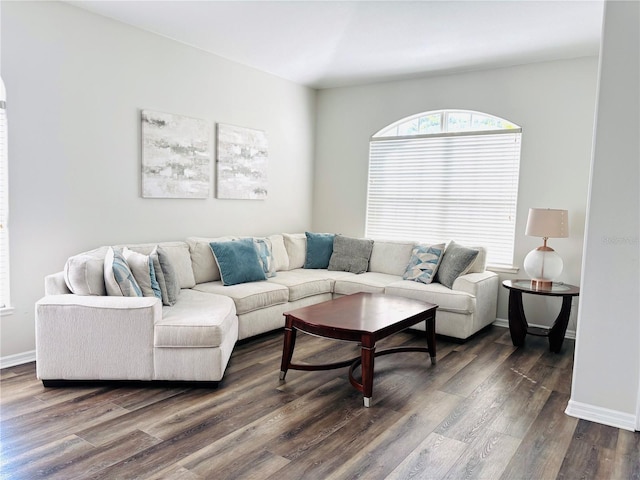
(518, 326)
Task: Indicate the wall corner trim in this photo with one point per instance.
(17, 359)
(605, 416)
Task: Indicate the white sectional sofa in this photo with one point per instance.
(82, 333)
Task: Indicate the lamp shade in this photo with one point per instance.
(547, 223)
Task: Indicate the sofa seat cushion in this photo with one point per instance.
(371, 282)
(249, 296)
(446, 299)
(304, 283)
(196, 320)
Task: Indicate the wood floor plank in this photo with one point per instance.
(336, 449)
(432, 459)
(586, 460)
(476, 372)
(28, 431)
(543, 448)
(383, 453)
(285, 422)
(476, 412)
(627, 459)
(486, 457)
(521, 408)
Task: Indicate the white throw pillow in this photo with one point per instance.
(143, 271)
(296, 245)
(279, 251)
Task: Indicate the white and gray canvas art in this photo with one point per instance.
(176, 156)
(241, 163)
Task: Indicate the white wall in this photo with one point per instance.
(606, 379)
(553, 102)
(75, 83)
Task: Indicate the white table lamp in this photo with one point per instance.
(543, 264)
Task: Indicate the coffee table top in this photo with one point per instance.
(362, 313)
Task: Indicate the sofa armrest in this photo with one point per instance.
(95, 338)
(55, 284)
(472, 282)
(484, 286)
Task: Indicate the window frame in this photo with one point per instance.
(504, 260)
(5, 274)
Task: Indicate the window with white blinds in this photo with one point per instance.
(453, 185)
(4, 203)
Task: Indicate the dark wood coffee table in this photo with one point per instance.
(364, 318)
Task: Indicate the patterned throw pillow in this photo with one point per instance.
(265, 255)
(424, 263)
(118, 277)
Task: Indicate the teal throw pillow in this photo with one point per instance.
(455, 261)
(424, 263)
(238, 261)
(319, 249)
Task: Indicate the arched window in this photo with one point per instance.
(446, 175)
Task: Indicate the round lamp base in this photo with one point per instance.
(543, 265)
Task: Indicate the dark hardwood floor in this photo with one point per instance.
(487, 410)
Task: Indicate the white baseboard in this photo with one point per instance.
(613, 418)
(501, 322)
(17, 359)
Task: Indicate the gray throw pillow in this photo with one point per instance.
(350, 254)
(456, 260)
(170, 278)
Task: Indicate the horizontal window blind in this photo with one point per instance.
(436, 188)
(4, 208)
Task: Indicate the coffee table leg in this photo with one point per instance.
(368, 356)
(287, 350)
(431, 337)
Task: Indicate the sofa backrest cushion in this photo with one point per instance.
(391, 257)
(480, 263)
(84, 272)
(296, 245)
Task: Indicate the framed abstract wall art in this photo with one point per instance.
(242, 157)
(176, 156)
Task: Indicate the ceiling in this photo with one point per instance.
(325, 44)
